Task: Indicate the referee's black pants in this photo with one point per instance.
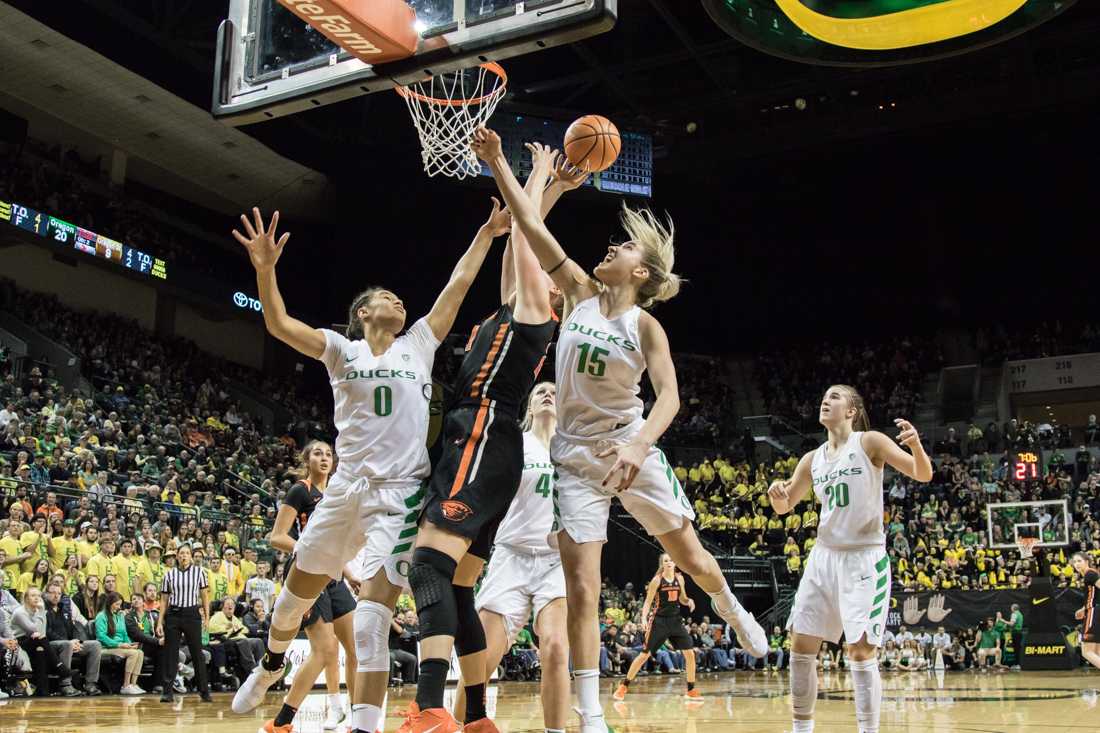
(184, 621)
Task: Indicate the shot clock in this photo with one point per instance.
(1026, 466)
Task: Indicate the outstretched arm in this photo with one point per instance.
(567, 275)
(264, 251)
(442, 316)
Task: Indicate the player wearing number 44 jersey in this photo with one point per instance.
(845, 587)
(381, 387)
(604, 448)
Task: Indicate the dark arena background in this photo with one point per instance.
(864, 192)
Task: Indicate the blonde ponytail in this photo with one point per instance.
(655, 239)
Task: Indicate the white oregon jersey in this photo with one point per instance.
(849, 488)
(381, 403)
(599, 369)
(531, 515)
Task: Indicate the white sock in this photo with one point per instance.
(803, 726)
(335, 701)
(366, 717)
(588, 691)
(724, 600)
(803, 688)
(867, 683)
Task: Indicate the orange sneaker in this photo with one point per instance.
(270, 727)
(693, 695)
(620, 693)
(480, 726)
(432, 720)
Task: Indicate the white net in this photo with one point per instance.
(446, 110)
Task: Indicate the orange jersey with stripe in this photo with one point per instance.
(502, 359)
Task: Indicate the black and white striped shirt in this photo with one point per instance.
(184, 586)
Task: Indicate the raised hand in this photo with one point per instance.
(936, 611)
(263, 249)
(908, 435)
(486, 144)
(499, 221)
(543, 158)
(779, 494)
(566, 175)
(911, 612)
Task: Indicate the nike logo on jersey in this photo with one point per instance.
(349, 359)
(1037, 601)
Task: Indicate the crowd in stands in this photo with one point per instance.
(59, 183)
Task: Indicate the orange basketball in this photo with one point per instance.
(592, 143)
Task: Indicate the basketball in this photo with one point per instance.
(592, 143)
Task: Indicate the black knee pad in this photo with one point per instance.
(430, 577)
(470, 638)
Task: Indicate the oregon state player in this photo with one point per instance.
(665, 594)
(1090, 612)
(478, 473)
(330, 619)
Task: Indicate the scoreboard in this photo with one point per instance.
(1026, 465)
(71, 237)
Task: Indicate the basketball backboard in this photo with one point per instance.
(270, 63)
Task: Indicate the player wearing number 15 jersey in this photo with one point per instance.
(604, 447)
(845, 587)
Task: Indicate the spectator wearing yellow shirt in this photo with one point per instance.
(234, 575)
(248, 563)
(924, 581)
(125, 568)
(791, 546)
(759, 522)
(64, 547)
(809, 518)
(775, 523)
(36, 542)
(726, 474)
(793, 522)
(171, 495)
(102, 563)
(150, 568)
(758, 548)
(681, 474)
(794, 563)
(219, 585)
(694, 474)
(14, 554)
(38, 577)
(8, 577)
(809, 543)
(706, 471)
(88, 544)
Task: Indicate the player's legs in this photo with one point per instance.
(804, 651)
(581, 563)
(344, 630)
(1090, 650)
(322, 645)
(551, 627)
(496, 645)
(631, 675)
(471, 644)
(683, 546)
(371, 629)
(866, 682)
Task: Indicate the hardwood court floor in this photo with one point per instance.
(961, 702)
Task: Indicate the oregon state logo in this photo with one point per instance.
(877, 32)
(455, 511)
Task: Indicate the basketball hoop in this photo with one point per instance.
(1027, 545)
(446, 110)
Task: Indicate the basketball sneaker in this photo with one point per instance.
(270, 727)
(750, 634)
(693, 695)
(336, 716)
(255, 687)
(620, 692)
(432, 720)
(480, 726)
(592, 722)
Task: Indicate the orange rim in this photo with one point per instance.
(488, 66)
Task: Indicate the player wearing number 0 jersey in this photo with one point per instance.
(1089, 614)
(603, 447)
(524, 577)
(845, 587)
(381, 385)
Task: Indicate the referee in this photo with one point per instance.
(184, 605)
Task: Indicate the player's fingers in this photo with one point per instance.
(617, 465)
(274, 225)
(248, 227)
(259, 218)
(283, 239)
(605, 452)
(240, 237)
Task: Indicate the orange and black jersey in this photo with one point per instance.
(668, 597)
(502, 359)
(1092, 598)
(303, 497)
